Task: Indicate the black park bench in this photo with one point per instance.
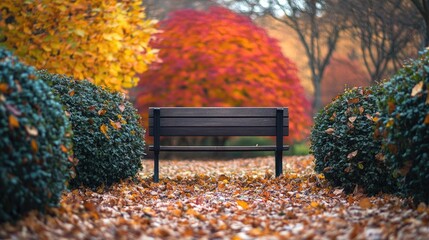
(218, 121)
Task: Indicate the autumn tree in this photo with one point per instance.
(219, 58)
(105, 41)
(316, 22)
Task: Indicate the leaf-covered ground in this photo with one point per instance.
(237, 199)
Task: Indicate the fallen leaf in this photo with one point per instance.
(64, 148)
(101, 112)
(13, 122)
(314, 204)
(330, 131)
(352, 119)
(115, 125)
(391, 106)
(103, 129)
(353, 101)
(365, 203)
(352, 154)
(71, 93)
(426, 119)
(4, 87)
(242, 204)
(361, 110)
(121, 107)
(32, 131)
(417, 89)
(34, 146)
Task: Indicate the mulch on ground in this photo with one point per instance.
(234, 199)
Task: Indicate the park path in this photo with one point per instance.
(234, 199)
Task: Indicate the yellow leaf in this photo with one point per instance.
(360, 166)
(390, 123)
(314, 204)
(103, 129)
(13, 122)
(79, 32)
(417, 89)
(242, 204)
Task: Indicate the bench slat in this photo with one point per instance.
(218, 122)
(218, 131)
(217, 148)
(218, 112)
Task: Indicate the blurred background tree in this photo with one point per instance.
(104, 41)
(220, 58)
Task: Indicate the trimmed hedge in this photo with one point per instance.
(108, 137)
(404, 127)
(343, 143)
(35, 141)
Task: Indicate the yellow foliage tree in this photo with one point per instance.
(104, 41)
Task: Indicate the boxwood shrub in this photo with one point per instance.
(108, 137)
(35, 141)
(344, 146)
(404, 127)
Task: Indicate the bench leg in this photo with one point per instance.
(279, 163)
(156, 166)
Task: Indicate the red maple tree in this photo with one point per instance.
(219, 58)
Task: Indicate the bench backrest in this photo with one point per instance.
(214, 121)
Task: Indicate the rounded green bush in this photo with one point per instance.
(344, 146)
(108, 138)
(35, 139)
(404, 127)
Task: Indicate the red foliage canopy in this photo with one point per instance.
(220, 58)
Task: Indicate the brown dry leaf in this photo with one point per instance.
(242, 204)
(427, 97)
(352, 154)
(417, 89)
(71, 93)
(330, 131)
(353, 101)
(13, 122)
(222, 177)
(391, 106)
(365, 203)
(369, 117)
(379, 157)
(361, 110)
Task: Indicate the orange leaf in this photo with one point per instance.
(115, 125)
(242, 204)
(101, 112)
(34, 146)
(365, 203)
(426, 119)
(63, 148)
(314, 204)
(13, 122)
(4, 87)
(103, 129)
(71, 93)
